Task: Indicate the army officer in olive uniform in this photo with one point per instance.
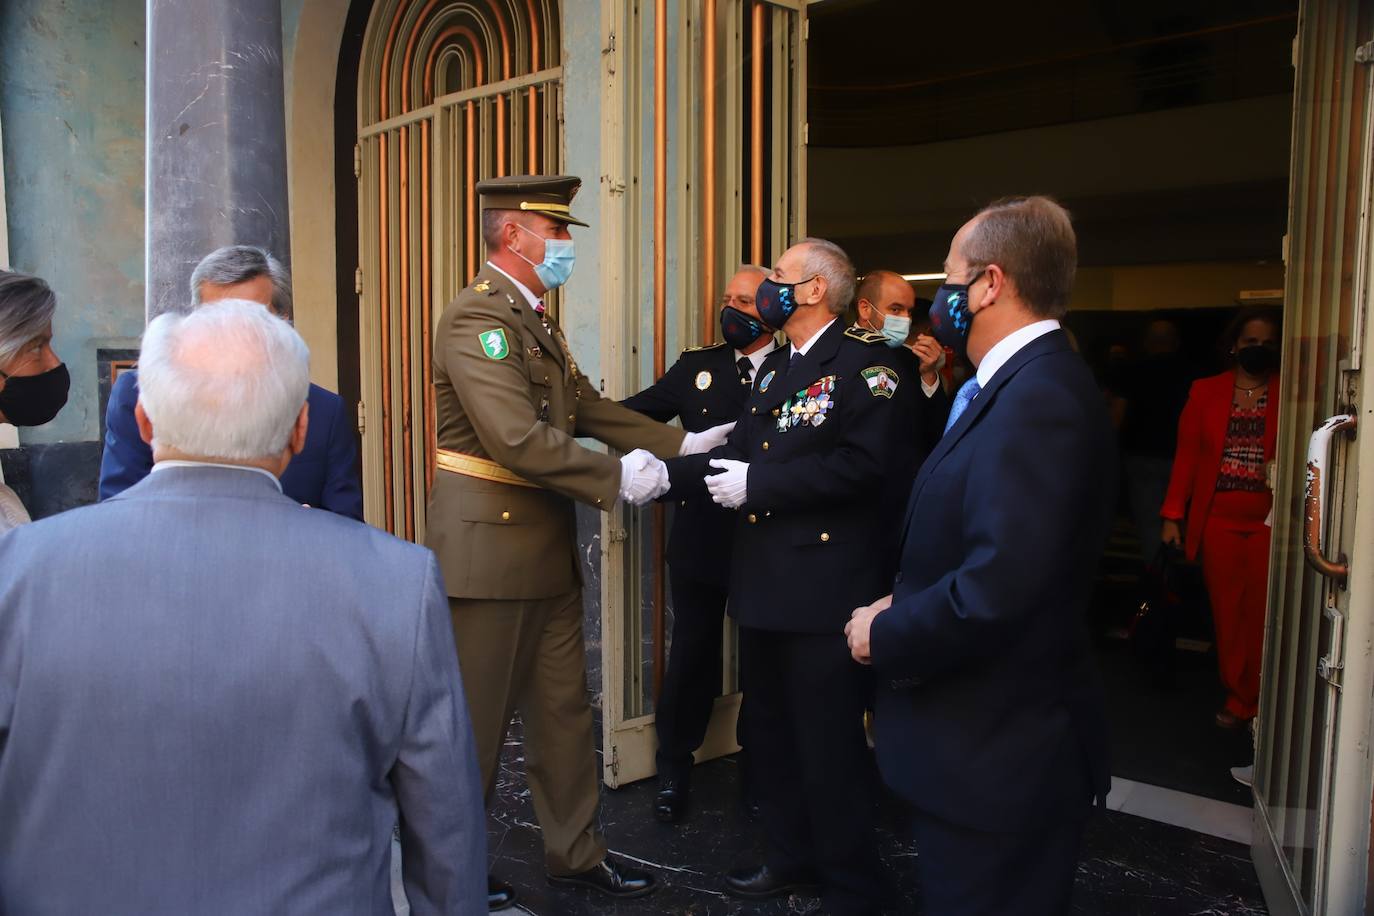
(510, 400)
(807, 469)
(707, 386)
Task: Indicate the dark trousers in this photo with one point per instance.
(814, 774)
(693, 679)
(967, 872)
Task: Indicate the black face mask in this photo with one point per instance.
(32, 400)
(950, 317)
(1258, 359)
(739, 329)
(776, 301)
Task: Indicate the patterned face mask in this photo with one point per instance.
(777, 301)
(739, 329)
(950, 318)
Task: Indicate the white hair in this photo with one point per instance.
(224, 381)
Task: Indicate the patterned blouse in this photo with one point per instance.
(1242, 453)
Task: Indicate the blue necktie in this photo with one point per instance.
(793, 360)
(962, 398)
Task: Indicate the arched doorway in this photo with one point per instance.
(449, 93)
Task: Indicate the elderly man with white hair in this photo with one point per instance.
(215, 701)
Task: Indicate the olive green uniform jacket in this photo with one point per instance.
(506, 390)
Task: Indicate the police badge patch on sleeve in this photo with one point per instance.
(882, 381)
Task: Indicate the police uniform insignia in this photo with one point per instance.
(863, 335)
(809, 406)
(481, 286)
(767, 380)
(703, 380)
(882, 381)
(494, 343)
(703, 347)
(535, 352)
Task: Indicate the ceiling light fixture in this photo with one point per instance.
(919, 277)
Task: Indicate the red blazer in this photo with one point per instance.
(1197, 462)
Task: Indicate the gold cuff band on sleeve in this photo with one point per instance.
(481, 468)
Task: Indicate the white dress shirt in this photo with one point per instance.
(757, 357)
(796, 350)
(525, 291)
(1009, 346)
(164, 465)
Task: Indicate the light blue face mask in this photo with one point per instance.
(895, 328)
(557, 265)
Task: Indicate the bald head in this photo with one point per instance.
(883, 292)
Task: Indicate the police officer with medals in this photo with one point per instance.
(806, 469)
(510, 401)
(706, 387)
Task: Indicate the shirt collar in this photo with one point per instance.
(801, 351)
(525, 291)
(757, 357)
(164, 465)
(1009, 346)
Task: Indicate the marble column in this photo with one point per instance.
(216, 166)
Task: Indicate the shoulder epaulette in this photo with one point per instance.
(863, 336)
(704, 347)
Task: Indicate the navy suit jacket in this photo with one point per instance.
(323, 475)
(990, 711)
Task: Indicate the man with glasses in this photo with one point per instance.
(706, 387)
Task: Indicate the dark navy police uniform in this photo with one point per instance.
(819, 438)
(704, 388)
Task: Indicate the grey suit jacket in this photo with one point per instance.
(215, 701)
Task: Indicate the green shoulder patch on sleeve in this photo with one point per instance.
(863, 335)
(494, 343)
(882, 381)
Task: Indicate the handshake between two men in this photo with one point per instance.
(644, 477)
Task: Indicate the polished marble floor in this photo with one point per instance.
(1131, 866)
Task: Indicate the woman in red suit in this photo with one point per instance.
(1219, 500)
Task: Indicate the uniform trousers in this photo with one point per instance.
(1235, 567)
(803, 727)
(528, 656)
(968, 872)
(693, 678)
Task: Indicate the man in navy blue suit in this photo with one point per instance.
(324, 474)
(990, 716)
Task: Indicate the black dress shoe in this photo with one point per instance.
(500, 895)
(670, 804)
(612, 879)
(762, 882)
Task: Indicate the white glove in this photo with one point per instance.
(731, 488)
(642, 477)
(707, 439)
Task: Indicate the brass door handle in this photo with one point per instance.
(1314, 507)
